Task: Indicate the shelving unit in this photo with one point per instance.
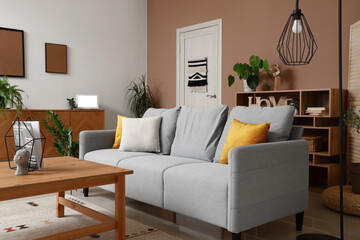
(324, 164)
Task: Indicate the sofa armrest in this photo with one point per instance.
(94, 140)
(267, 182)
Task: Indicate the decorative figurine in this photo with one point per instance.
(21, 159)
(276, 74)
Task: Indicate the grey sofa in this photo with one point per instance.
(261, 183)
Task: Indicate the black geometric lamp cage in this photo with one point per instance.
(297, 44)
(29, 143)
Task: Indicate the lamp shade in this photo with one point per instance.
(297, 44)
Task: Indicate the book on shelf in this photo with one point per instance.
(316, 108)
(317, 111)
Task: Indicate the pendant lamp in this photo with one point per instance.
(297, 46)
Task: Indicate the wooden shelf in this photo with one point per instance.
(324, 165)
(323, 153)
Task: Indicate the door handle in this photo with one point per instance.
(211, 96)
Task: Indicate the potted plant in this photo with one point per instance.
(250, 72)
(352, 120)
(71, 103)
(140, 97)
(63, 142)
(10, 96)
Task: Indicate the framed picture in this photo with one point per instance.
(87, 101)
(55, 58)
(12, 61)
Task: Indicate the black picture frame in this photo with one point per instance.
(19, 44)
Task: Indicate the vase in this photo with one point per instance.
(354, 170)
(246, 87)
(277, 83)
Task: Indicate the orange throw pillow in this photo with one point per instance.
(241, 134)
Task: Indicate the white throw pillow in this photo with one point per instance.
(140, 134)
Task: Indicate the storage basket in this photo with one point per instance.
(315, 143)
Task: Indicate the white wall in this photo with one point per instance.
(106, 42)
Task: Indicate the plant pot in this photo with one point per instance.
(354, 170)
(246, 87)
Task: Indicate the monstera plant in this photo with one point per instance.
(10, 95)
(250, 72)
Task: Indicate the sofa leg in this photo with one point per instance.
(236, 236)
(299, 221)
(86, 192)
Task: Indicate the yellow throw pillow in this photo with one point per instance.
(118, 132)
(241, 134)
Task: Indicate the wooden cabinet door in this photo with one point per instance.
(5, 123)
(86, 120)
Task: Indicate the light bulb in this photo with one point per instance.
(297, 27)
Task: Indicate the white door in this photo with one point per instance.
(199, 64)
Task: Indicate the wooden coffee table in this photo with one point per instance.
(66, 173)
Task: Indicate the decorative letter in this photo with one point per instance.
(251, 104)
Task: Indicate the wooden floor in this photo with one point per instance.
(317, 219)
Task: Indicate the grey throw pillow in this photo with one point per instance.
(198, 131)
(168, 126)
(281, 119)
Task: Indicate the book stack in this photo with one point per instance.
(317, 111)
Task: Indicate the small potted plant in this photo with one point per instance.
(71, 103)
(250, 72)
(10, 96)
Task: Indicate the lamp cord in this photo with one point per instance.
(297, 5)
(341, 124)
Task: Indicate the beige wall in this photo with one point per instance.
(249, 27)
(106, 42)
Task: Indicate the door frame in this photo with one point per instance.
(179, 31)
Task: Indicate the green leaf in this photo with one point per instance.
(255, 61)
(246, 75)
(231, 80)
(236, 68)
(253, 81)
(266, 65)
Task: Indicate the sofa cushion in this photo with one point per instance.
(241, 134)
(199, 191)
(168, 126)
(140, 134)
(112, 156)
(147, 184)
(198, 130)
(281, 119)
(118, 132)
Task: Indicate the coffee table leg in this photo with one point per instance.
(120, 208)
(60, 211)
